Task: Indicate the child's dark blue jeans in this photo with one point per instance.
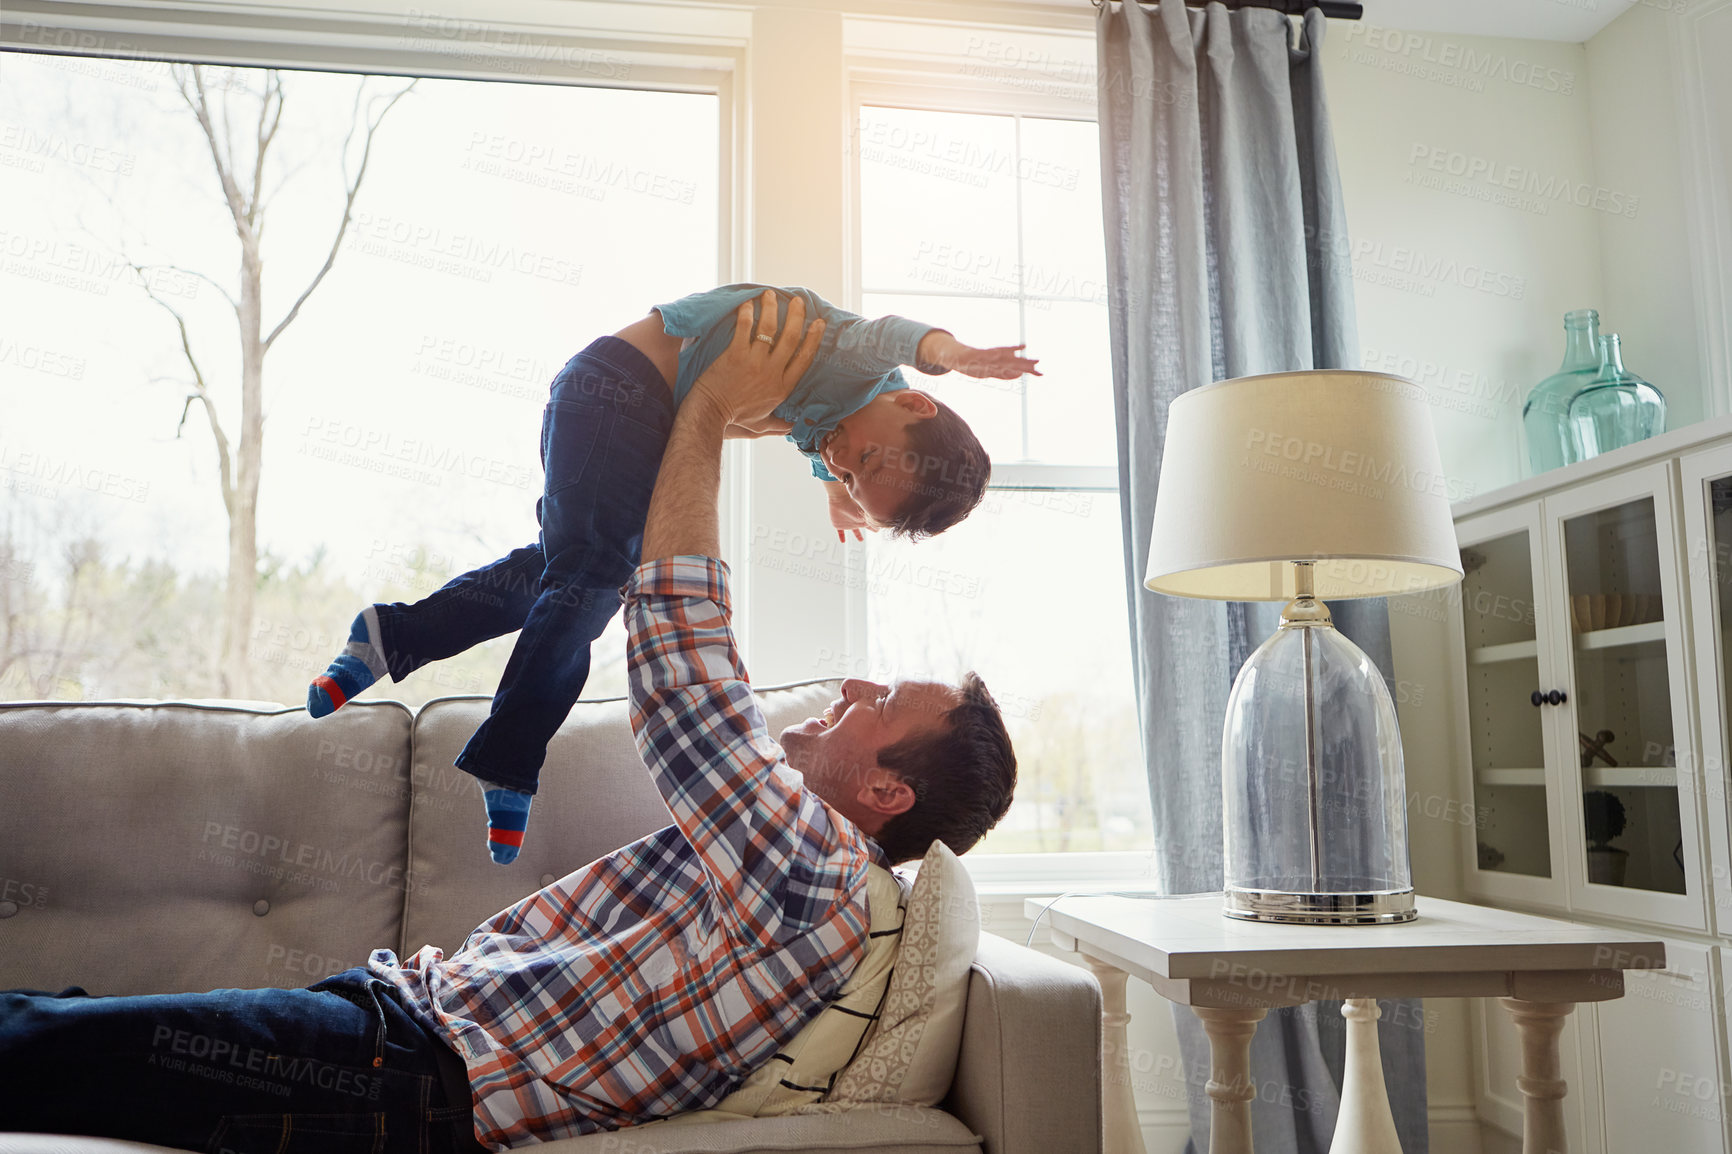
(606, 425)
(338, 1068)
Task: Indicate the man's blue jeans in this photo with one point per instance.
(338, 1068)
(606, 425)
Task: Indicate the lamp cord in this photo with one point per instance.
(1142, 895)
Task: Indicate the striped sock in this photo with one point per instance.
(359, 665)
(507, 818)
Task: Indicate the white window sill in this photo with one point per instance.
(1038, 874)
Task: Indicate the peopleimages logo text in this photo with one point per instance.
(1418, 51)
(1309, 454)
(1543, 188)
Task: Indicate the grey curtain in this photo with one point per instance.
(1227, 255)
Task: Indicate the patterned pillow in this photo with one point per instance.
(806, 1067)
(910, 1053)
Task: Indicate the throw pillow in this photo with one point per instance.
(804, 1069)
(910, 1054)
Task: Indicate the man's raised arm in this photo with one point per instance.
(777, 862)
(743, 386)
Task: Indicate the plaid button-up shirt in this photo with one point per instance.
(655, 979)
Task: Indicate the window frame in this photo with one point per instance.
(881, 84)
(872, 86)
(514, 43)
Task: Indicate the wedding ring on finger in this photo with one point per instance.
(766, 338)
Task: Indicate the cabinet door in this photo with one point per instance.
(1659, 1057)
(1614, 595)
(1513, 844)
(1707, 504)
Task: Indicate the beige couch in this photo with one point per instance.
(221, 844)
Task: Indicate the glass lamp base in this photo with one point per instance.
(1363, 909)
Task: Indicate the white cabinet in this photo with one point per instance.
(1514, 848)
(1574, 695)
(1615, 573)
(1657, 1047)
(1706, 481)
(1603, 593)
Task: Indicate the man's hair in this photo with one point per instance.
(962, 776)
(945, 469)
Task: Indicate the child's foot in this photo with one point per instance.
(359, 665)
(507, 818)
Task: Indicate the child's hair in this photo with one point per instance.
(946, 470)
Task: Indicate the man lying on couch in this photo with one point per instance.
(650, 982)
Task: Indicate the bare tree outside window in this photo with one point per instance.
(370, 292)
(241, 124)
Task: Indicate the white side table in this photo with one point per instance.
(1232, 972)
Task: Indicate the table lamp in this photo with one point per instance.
(1307, 487)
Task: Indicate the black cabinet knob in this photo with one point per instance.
(1538, 697)
(1556, 697)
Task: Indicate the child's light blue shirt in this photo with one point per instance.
(857, 358)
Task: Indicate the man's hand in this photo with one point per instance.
(757, 371)
(846, 516)
(738, 391)
(1004, 363)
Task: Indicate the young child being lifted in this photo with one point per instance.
(891, 457)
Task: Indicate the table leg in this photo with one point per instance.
(1231, 1087)
(1122, 1133)
(1541, 1082)
(1364, 1125)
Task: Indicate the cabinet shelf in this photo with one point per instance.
(1512, 651)
(1643, 634)
(1510, 777)
(1647, 633)
(1630, 777)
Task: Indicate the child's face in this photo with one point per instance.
(868, 452)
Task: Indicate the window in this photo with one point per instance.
(499, 228)
(989, 226)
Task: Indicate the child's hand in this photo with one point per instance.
(1004, 363)
(845, 516)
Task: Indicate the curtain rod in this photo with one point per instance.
(1334, 9)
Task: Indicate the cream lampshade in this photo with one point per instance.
(1338, 468)
(1304, 487)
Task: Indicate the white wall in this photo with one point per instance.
(1456, 290)
(796, 132)
(1649, 293)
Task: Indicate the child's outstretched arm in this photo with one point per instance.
(1003, 363)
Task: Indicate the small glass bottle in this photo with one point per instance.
(1616, 408)
(1545, 414)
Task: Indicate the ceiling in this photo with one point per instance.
(1568, 20)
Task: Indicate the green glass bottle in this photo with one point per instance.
(1546, 413)
(1616, 408)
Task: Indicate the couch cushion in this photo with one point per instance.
(886, 1129)
(595, 796)
(151, 847)
(883, 1130)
